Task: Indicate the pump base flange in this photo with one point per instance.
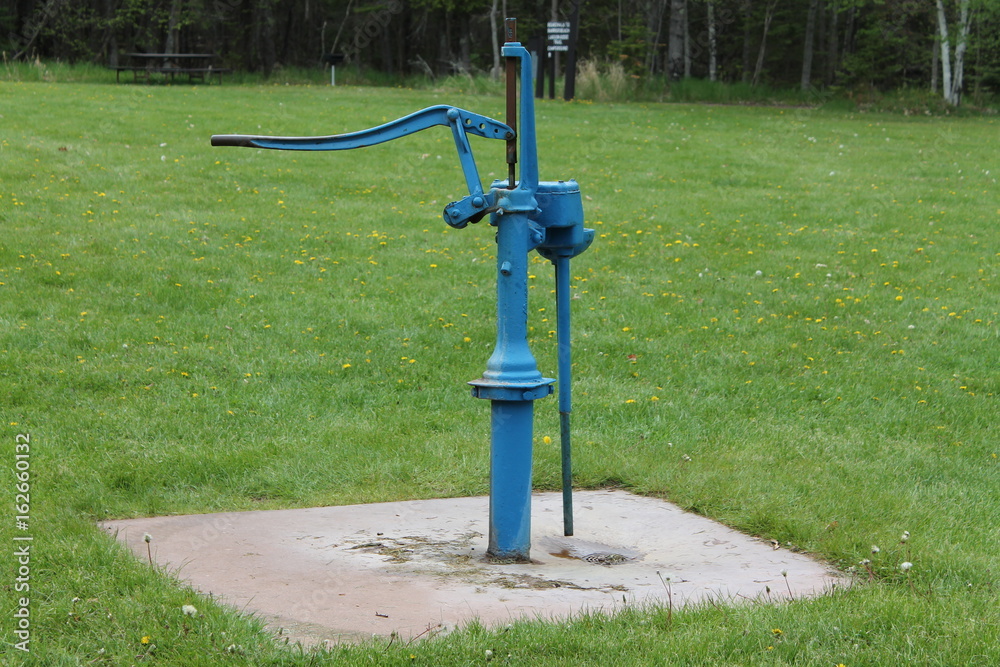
(493, 390)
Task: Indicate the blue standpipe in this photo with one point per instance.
(512, 381)
(528, 215)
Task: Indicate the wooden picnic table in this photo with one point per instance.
(193, 65)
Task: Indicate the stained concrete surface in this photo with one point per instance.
(417, 568)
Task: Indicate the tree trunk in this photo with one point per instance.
(266, 52)
(675, 40)
(495, 34)
(831, 48)
(657, 8)
(768, 16)
(945, 52)
(36, 23)
(111, 38)
(556, 56)
(386, 43)
(173, 32)
(464, 47)
(849, 31)
(935, 61)
(713, 50)
(747, 36)
(687, 43)
(808, 48)
(958, 70)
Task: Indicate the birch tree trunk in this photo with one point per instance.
(945, 51)
(173, 33)
(494, 30)
(768, 16)
(675, 40)
(952, 70)
(958, 71)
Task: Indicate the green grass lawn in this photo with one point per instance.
(788, 322)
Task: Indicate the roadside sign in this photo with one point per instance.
(558, 36)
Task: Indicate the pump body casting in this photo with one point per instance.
(528, 215)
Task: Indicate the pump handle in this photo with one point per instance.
(471, 123)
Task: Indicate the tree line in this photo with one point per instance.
(950, 46)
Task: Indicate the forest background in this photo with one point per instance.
(853, 47)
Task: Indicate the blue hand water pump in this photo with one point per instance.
(529, 215)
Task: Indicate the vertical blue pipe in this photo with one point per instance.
(512, 380)
(512, 361)
(510, 480)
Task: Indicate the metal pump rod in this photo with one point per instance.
(510, 35)
(564, 363)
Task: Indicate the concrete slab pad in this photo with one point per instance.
(418, 567)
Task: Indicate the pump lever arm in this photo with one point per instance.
(462, 123)
(470, 122)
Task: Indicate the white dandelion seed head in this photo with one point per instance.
(189, 610)
(875, 549)
(905, 536)
(147, 538)
(905, 566)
